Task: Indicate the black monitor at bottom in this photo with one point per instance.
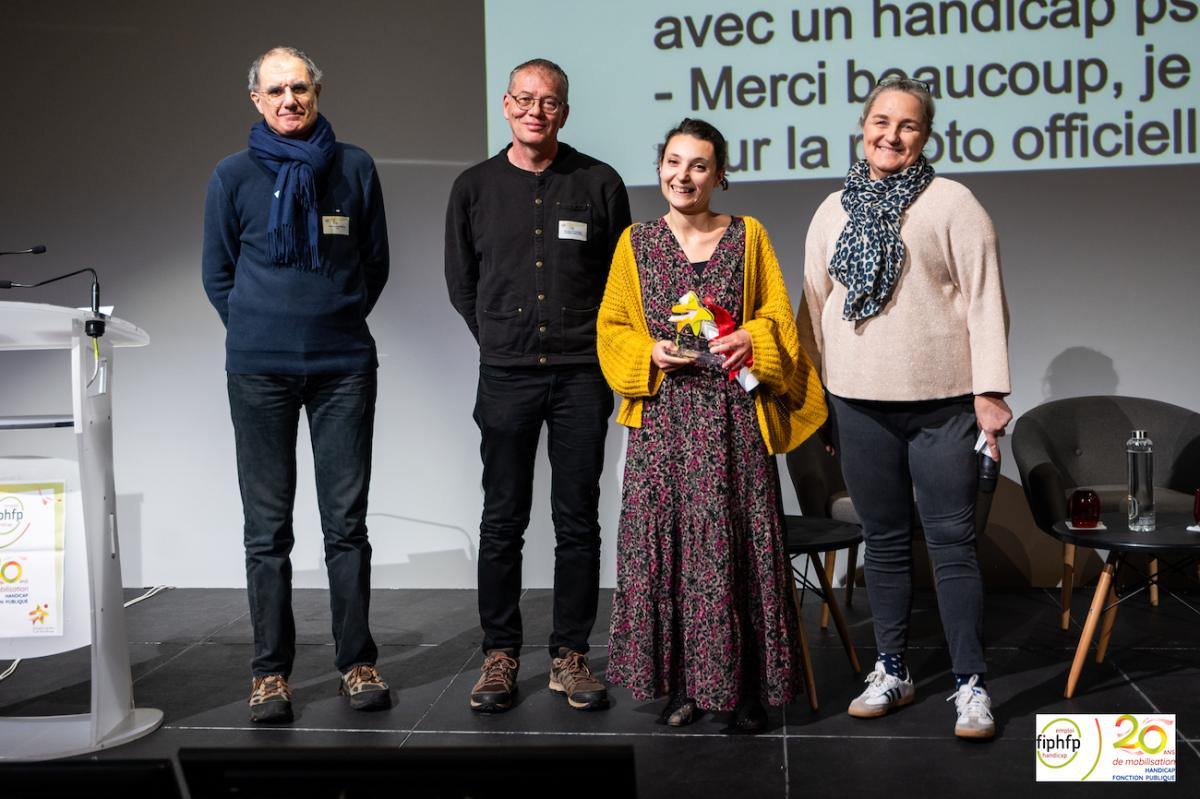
(70, 779)
(479, 772)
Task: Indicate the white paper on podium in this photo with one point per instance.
(32, 553)
(105, 310)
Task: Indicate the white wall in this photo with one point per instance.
(115, 116)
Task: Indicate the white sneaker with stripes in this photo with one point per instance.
(974, 708)
(884, 692)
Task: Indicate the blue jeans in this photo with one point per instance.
(341, 418)
(887, 450)
(510, 408)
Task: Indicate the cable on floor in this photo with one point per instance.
(158, 589)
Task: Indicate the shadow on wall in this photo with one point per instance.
(129, 532)
(1079, 372)
(1013, 552)
(410, 553)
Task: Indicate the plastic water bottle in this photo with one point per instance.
(1139, 451)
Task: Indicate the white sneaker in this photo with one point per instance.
(884, 692)
(974, 711)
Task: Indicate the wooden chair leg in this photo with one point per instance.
(1154, 582)
(810, 682)
(830, 560)
(1068, 584)
(1089, 624)
(852, 572)
(1106, 624)
(839, 621)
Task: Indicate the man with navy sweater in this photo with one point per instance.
(295, 256)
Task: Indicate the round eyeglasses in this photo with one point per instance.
(275, 94)
(549, 104)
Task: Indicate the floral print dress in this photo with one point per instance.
(702, 574)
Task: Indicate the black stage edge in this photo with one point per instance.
(71, 779)
(468, 772)
(592, 772)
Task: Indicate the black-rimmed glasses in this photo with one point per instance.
(549, 104)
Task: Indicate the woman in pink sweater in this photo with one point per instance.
(904, 314)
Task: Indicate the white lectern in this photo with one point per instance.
(113, 719)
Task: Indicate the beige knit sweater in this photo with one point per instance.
(944, 332)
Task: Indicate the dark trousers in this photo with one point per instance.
(888, 449)
(510, 408)
(341, 418)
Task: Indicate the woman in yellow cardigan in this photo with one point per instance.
(703, 611)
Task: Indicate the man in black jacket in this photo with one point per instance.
(530, 235)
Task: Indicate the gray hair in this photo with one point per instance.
(543, 65)
(917, 88)
(314, 72)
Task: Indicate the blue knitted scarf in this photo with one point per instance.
(299, 166)
(869, 252)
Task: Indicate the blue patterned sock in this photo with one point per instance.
(894, 664)
(962, 679)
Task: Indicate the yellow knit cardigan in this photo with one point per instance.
(790, 400)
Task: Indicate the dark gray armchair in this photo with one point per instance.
(1079, 442)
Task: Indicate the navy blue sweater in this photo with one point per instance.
(282, 319)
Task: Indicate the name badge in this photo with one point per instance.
(335, 225)
(568, 229)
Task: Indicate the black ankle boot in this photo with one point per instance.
(679, 712)
(749, 718)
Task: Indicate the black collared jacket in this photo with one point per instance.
(527, 256)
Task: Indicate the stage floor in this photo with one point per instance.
(191, 649)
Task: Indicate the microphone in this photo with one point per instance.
(36, 249)
(94, 327)
(989, 469)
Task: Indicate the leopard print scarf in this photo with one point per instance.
(869, 250)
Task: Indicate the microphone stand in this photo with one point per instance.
(93, 327)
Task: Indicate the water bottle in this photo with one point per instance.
(1140, 458)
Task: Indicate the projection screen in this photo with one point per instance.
(1020, 84)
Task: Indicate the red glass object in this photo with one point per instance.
(1085, 509)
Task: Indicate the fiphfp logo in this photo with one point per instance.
(1105, 748)
(1058, 743)
(12, 516)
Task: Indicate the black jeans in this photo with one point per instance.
(887, 450)
(341, 419)
(510, 408)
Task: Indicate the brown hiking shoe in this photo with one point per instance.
(270, 700)
(571, 675)
(365, 688)
(493, 692)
